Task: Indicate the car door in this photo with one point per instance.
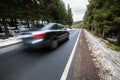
(64, 33)
(61, 33)
(56, 31)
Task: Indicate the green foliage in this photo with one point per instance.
(70, 19)
(78, 25)
(32, 11)
(47, 10)
(103, 17)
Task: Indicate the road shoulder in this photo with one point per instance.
(84, 68)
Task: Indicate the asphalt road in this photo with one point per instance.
(18, 63)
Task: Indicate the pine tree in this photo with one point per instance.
(70, 19)
(103, 17)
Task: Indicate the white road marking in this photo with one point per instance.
(66, 70)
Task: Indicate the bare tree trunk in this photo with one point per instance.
(11, 22)
(28, 26)
(15, 23)
(5, 27)
(42, 21)
(118, 37)
(103, 33)
(92, 29)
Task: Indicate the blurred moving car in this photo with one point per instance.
(46, 35)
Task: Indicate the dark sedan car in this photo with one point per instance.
(48, 35)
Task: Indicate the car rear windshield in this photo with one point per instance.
(41, 27)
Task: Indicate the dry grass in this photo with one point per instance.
(112, 45)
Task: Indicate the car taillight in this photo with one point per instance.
(39, 35)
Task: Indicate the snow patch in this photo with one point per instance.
(9, 41)
(113, 40)
(106, 60)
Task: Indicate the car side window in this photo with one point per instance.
(62, 27)
(55, 27)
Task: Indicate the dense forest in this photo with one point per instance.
(33, 11)
(103, 18)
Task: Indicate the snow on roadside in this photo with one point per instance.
(113, 40)
(106, 60)
(9, 41)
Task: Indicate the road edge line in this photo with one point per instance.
(66, 70)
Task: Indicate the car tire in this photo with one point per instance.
(54, 44)
(67, 37)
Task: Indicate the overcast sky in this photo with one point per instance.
(78, 8)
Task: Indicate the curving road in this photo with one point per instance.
(18, 63)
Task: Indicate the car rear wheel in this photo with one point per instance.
(54, 44)
(67, 37)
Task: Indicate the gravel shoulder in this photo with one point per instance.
(84, 68)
